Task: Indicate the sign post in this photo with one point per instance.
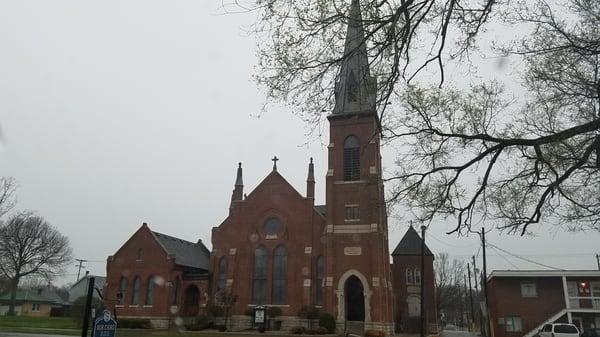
(105, 326)
(260, 318)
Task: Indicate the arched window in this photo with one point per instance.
(279, 295)
(122, 290)
(175, 292)
(150, 290)
(320, 280)
(259, 276)
(351, 159)
(410, 279)
(417, 276)
(222, 275)
(135, 293)
(272, 226)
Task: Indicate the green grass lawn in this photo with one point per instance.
(37, 322)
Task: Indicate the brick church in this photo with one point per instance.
(278, 248)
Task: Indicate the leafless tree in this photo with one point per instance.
(478, 154)
(8, 200)
(449, 276)
(30, 246)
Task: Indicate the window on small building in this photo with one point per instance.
(320, 280)
(135, 293)
(150, 290)
(414, 306)
(222, 275)
(35, 307)
(259, 276)
(417, 276)
(528, 289)
(512, 324)
(352, 212)
(351, 159)
(410, 279)
(175, 292)
(279, 295)
(122, 291)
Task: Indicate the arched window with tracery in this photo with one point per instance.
(417, 276)
(410, 279)
(259, 276)
(279, 295)
(351, 158)
(320, 280)
(150, 290)
(222, 275)
(122, 290)
(135, 293)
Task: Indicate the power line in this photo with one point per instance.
(523, 258)
(504, 258)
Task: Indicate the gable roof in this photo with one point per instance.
(411, 244)
(28, 295)
(186, 253)
(274, 176)
(99, 281)
(321, 209)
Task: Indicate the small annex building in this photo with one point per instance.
(157, 277)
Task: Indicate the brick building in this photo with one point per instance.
(278, 248)
(521, 302)
(158, 276)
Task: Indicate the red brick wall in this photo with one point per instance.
(505, 300)
(243, 231)
(399, 267)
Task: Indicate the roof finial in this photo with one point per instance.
(311, 171)
(238, 178)
(275, 160)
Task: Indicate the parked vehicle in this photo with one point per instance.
(591, 333)
(559, 330)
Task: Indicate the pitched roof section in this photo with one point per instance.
(29, 295)
(321, 209)
(186, 253)
(410, 244)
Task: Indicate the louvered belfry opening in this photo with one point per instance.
(351, 159)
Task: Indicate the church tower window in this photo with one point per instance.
(351, 159)
(279, 276)
(259, 276)
(150, 290)
(409, 276)
(222, 273)
(320, 280)
(272, 226)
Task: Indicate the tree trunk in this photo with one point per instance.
(14, 284)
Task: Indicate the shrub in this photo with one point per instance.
(374, 333)
(78, 309)
(134, 323)
(274, 311)
(198, 323)
(249, 312)
(318, 331)
(308, 312)
(328, 322)
(298, 330)
(215, 311)
(221, 328)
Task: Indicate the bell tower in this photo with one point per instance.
(358, 274)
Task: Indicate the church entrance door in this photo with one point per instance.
(191, 305)
(355, 299)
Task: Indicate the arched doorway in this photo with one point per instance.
(191, 299)
(355, 299)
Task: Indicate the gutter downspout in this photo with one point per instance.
(567, 303)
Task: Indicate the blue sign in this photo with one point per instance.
(105, 326)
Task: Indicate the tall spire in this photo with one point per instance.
(355, 88)
(238, 179)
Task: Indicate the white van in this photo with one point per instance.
(559, 330)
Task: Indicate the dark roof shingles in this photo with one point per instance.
(186, 253)
(411, 244)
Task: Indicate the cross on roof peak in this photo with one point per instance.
(275, 160)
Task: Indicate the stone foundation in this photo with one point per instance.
(241, 322)
(387, 328)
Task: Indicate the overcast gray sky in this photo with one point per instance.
(114, 113)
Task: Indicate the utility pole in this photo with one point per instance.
(465, 310)
(478, 295)
(88, 307)
(471, 294)
(80, 265)
(423, 281)
(598, 260)
(484, 283)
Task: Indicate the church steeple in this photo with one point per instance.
(355, 88)
(310, 180)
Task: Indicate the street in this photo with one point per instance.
(457, 333)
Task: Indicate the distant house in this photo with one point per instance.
(31, 302)
(521, 302)
(80, 287)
